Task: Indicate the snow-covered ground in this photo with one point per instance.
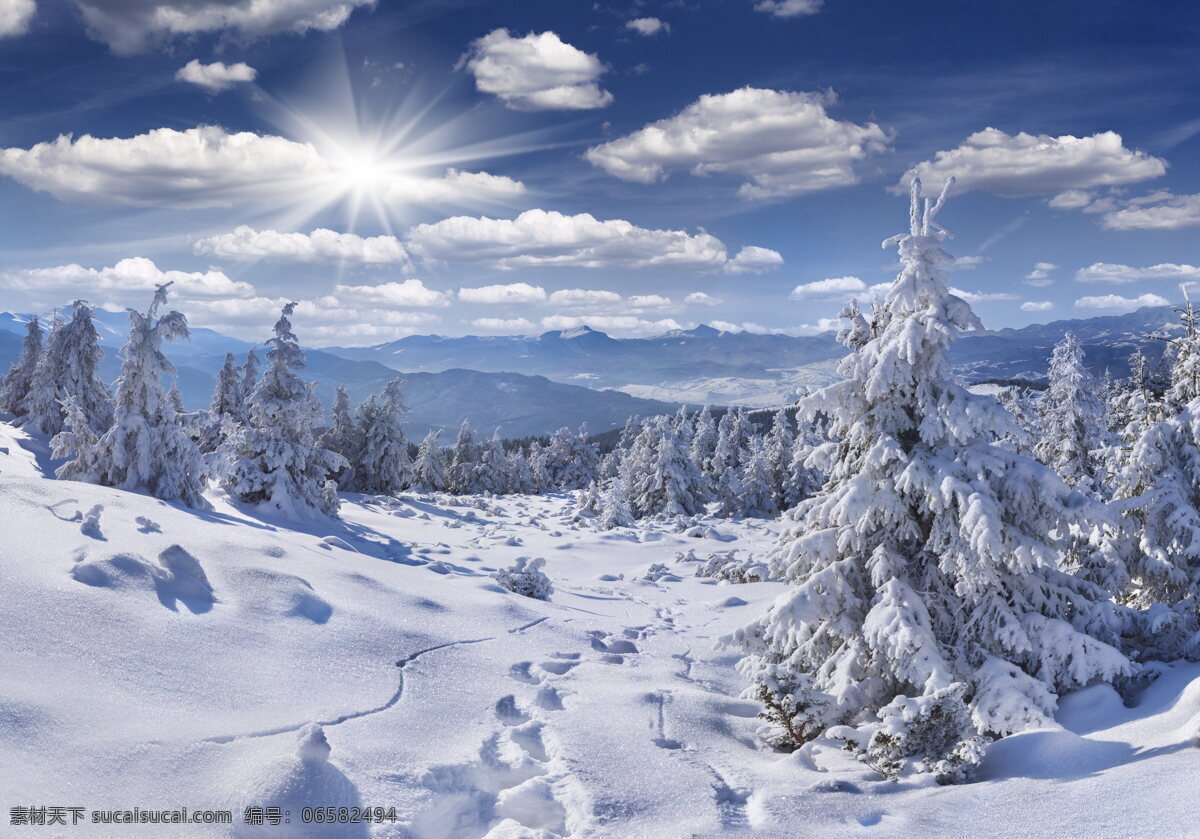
(158, 657)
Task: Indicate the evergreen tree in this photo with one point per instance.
(669, 487)
(1016, 400)
(145, 448)
(758, 494)
(929, 559)
(275, 461)
(175, 398)
(614, 510)
(779, 445)
(249, 378)
(464, 460)
(538, 472)
(1185, 369)
(804, 476)
(20, 376)
(704, 442)
(228, 400)
(492, 473)
(520, 479)
(1070, 417)
(380, 464)
(69, 366)
(430, 468)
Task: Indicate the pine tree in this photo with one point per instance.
(804, 476)
(1070, 417)
(381, 464)
(704, 442)
(175, 398)
(1185, 370)
(228, 399)
(492, 473)
(614, 510)
(758, 494)
(669, 487)
(274, 461)
(929, 557)
(520, 478)
(145, 448)
(779, 444)
(729, 454)
(430, 468)
(20, 376)
(249, 378)
(464, 459)
(538, 472)
(1016, 400)
(70, 366)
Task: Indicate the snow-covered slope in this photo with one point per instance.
(158, 657)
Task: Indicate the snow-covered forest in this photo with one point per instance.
(868, 610)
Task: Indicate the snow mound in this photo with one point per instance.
(177, 578)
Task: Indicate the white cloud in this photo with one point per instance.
(1040, 271)
(835, 287)
(541, 238)
(503, 294)
(217, 76)
(966, 263)
(124, 280)
(822, 325)
(648, 301)
(1160, 211)
(131, 26)
(754, 260)
(320, 246)
(15, 17)
(701, 298)
(1117, 303)
(198, 167)
(209, 167)
(538, 72)
(518, 325)
(584, 297)
(411, 292)
(1105, 272)
(648, 26)
(783, 143)
(1072, 199)
(628, 325)
(789, 8)
(1021, 165)
(982, 296)
(1036, 306)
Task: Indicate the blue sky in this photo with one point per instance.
(471, 167)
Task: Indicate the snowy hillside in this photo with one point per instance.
(161, 657)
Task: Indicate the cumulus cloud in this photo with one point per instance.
(1023, 164)
(628, 325)
(344, 318)
(1117, 303)
(1159, 211)
(1106, 272)
(585, 298)
(519, 325)
(782, 143)
(320, 246)
(648, 26)
(1041, 270)
(1036, 306)
(503, 294)
(540, 238)
(132, 26)
(411, 292)
(128, 277)
(789, 8)
(701, 298)
(15, 17)
(198, 167)
(834, 287)
(754, 260)
(982, 296)
(648, 301)
(217, 76)
(210, 167)
(1072, 199)
(539, 72)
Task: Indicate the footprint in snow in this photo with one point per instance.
(520, 672)
(508, 712)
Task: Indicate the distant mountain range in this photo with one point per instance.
(533, 385)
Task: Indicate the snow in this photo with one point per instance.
(159, 656)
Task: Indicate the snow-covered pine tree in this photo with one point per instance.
(704, 442)
(805, 476)
(1071, 417)
(729, 455)
(614, 508)
(669, 487)
(538, 472)
(227, 399)
(492, 472)
(381, 465)
(1185, 370)
(758, 493)
(571, 460)
(1016, 400)
(70, 366)
(520, 479)
(429, 470)
(249, 378)
(929, 558)
(145, 448)
(20, 376)
(274, 461)
(343, 435)
(779, 444)
(462, 476)
(175, 397)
